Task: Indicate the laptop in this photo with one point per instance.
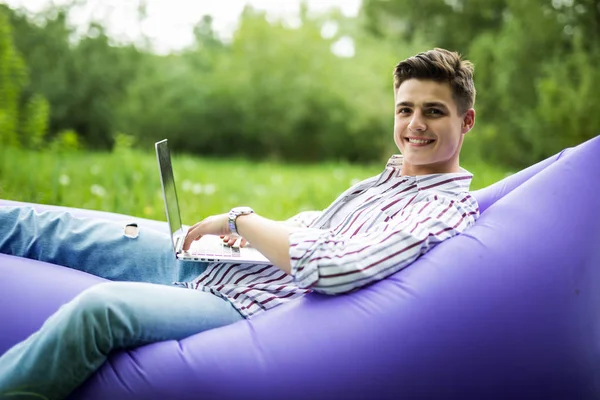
(209, 248)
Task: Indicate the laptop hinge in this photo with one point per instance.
(178, 244)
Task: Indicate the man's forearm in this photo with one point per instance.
(291, 224)
(270, 237)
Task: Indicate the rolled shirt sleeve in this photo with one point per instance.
(331, 263)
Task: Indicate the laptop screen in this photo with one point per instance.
(168, 186)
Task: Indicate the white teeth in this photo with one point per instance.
(419, 141)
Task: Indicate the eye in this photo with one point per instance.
(434, 111)
(403, 110)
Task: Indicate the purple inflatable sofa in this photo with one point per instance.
(509, 309)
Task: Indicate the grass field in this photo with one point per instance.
(127, 182)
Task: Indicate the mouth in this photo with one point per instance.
(419, 141)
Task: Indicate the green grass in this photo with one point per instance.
(127, 182)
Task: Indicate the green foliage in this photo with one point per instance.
(451, 24)
(13, 77)
(65, 141)
(273, 92)
(535, 67)
(276, 92)
(84, 81)
(123, 143)
(35, 122)
(567, 92)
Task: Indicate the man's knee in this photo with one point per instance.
(101, 315)
(100, 305)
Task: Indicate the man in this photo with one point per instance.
(372, 230)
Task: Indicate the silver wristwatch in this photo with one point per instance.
(233, 214)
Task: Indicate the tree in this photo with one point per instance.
(84, 81)
(534, 67)
(444, 23)
(274, 91)
(13, 77)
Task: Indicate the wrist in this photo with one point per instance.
(243, 222)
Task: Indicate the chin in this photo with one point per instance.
(418, 161)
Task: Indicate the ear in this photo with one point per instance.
(468, 121)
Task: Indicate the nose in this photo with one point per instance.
(417, 123)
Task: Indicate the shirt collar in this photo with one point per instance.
(451, 182)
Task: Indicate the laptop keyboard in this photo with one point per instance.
(213, 250)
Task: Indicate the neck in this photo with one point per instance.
(442, 168)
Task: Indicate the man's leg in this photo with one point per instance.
(76, 340)
(99, 247)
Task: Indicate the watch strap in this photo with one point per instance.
(234, 214)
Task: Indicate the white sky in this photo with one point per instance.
(169, 22)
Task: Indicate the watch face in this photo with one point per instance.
(234, 213)
(243, 210)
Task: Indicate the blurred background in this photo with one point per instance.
(280, 105)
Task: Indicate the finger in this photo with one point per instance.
(192, 227)
(193, 234)
(243, 242)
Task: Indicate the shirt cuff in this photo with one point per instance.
(303, 245)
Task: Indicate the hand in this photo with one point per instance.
(213, 225)
(230, 240)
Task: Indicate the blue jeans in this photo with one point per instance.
(143, 308)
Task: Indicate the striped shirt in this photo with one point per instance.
(374, 229)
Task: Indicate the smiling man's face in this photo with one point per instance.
(428, 128)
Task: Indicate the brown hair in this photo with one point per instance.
(441, 65)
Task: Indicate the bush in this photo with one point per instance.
(35, 122)
(65, 141)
